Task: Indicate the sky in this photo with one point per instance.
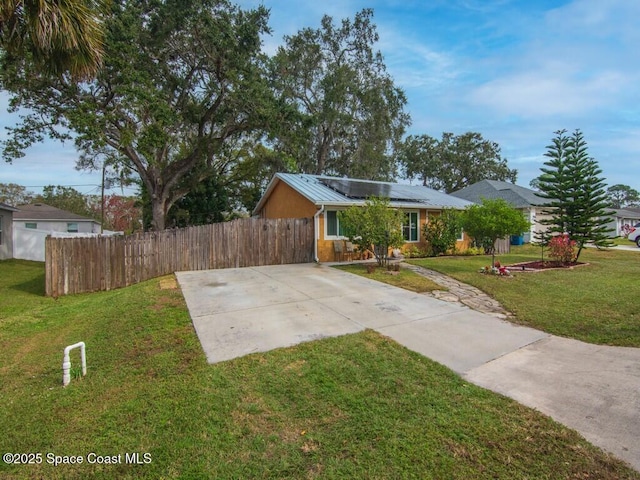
(516, 71)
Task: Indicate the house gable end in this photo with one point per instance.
(285, 202)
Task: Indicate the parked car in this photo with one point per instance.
(634, 235)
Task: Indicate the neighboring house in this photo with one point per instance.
(39, 216)
(322, 197)
(521, 198)
(32, 223)
(622, 217)
(6, 231)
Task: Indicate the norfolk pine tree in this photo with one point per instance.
(577, 202)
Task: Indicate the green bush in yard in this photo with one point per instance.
(374, 224)
(441, 232)
(492, 220)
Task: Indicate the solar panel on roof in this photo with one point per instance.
(362, 190)
(353, 189)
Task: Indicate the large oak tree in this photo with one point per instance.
(622, 196)
(346, 114)
(180, 80)
(14, 194)
(454, 161)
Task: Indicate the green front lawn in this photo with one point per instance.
(404, 278)
(357, 406)
(597, 303)
(622, 241)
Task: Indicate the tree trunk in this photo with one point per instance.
(323, 151)
(158, 212)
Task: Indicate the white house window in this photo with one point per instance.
(72, 227)
(333, 226)
(410, 230)
(0, 230)
(31, 225)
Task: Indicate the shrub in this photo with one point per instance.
(375, 225)
(471, 251)
(412, 252)
(441, 232)
(492, 220)
(562, 249)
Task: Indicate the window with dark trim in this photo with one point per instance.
(32, 225)
(72, 227)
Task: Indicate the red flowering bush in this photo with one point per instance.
(562, 249)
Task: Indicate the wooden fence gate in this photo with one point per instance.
(77, 265)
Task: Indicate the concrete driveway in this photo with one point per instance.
(593, 389)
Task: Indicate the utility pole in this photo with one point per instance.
(102, 201)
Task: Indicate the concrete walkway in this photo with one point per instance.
(593, 389)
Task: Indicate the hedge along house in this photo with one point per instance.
(321, 198)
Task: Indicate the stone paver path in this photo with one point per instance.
(460, 292)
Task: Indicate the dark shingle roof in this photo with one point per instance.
(4, 206)
(517, 196)
(632, 213)
(40, 211)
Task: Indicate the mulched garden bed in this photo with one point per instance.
(539, 265)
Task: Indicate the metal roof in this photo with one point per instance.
(312, 188)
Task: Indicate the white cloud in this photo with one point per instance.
(545, 93)
(578, 61)
(416, 65)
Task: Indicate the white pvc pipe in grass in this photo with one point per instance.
(66, 362)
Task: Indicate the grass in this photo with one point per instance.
(404, 278)
(623, 241)
(597, 303)
(357, 406)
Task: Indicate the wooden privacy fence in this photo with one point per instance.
(503, 245)
(76, 265)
